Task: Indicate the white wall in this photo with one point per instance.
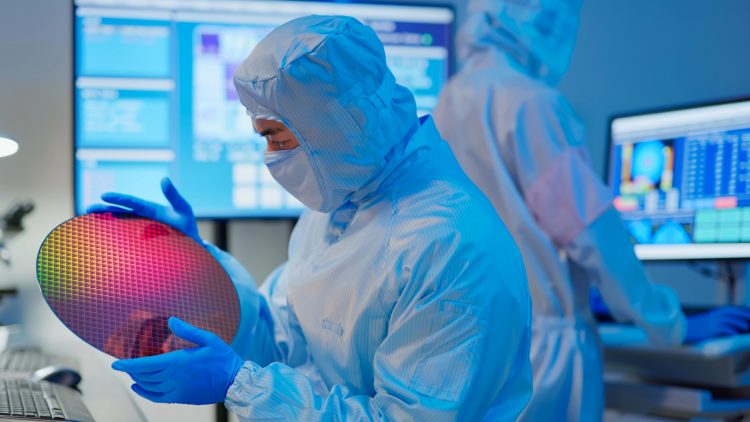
(631, 54)
(35, 69)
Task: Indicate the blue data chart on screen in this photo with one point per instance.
(154, 95)
(121, 118)
(683, 177)
(123, 47)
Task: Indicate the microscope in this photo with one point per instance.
(11, 225)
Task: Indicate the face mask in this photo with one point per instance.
(293, 171)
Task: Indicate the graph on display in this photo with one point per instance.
(115, 279)
(154, 95)
(681, 180)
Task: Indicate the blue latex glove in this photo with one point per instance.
(201, 375)
(179, 215)
(720, 322)
(596, 303)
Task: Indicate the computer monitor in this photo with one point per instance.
(681, 180)
(154, 95)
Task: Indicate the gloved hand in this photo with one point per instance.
(179, 215)
(201, 375)
(720, 322)
(598, 306)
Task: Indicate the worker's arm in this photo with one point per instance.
(457, 343)
(457, 339)
(573, 207)
(255, 339)
(604, 251)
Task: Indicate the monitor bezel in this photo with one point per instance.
(217, 217)
(642, 251)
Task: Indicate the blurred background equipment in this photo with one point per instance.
(7, 147)
(11, 223)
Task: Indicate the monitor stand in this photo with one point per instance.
(732, 272)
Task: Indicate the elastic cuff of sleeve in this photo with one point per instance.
(240, 390)
(668, 326)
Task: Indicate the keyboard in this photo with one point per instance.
(23, 360)
(40, 401)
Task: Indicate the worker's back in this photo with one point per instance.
(478, 115)
(512, 136)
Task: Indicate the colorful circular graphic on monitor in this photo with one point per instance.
(648, 160)
(115, 279)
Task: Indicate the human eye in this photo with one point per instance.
(285, 144)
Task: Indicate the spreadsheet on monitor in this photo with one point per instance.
(681, 181)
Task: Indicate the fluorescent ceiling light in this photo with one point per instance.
(7, 147)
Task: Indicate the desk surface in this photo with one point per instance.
(105, 395)
(634, 396)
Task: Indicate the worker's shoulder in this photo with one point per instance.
(509, 88)
(445, 207)
(451, 226)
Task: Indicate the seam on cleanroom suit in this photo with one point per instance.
(430, 376)
(385, 252)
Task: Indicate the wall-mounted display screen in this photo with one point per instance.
(154, 94)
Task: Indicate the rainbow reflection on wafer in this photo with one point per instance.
(115, 279)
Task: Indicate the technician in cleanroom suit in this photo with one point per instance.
(404, 297)
(519, 140)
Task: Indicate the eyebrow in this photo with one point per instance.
(270, 131)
